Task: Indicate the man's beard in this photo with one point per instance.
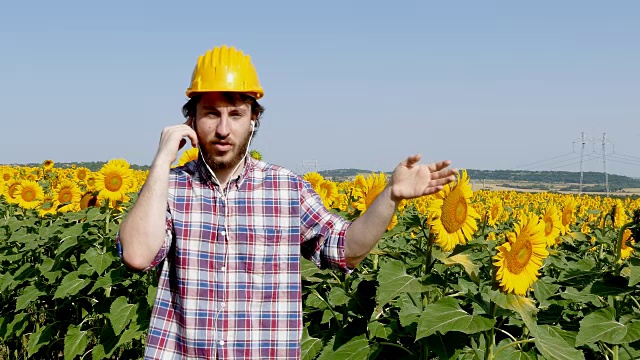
(219, 164)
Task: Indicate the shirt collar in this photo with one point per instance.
(205, 175)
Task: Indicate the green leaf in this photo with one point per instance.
(544, 288)
(354, 349)
(17, 326)
(71, 285)
(121, 313)
(379, 330)
(393, 281)
(338, 297)
(446, 315)
(38, 339)
(128, 335)
(409, 313)
(151, 295)
(600, 325)
(99, 262)
(552, 346)
(66, 244)
(584, 296)
(309, 346)
(75, 342)
(634, 277)
(611, 285)
(31, 293)
(633, 333)
(520, 304)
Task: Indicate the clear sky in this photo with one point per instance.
(349, 84)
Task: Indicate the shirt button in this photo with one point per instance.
(222, 305)
(223, 233)
(221, 342)
(223, 268)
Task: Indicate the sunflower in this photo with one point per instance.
(619, 216)
(91, 182)
(255, 154)
(68, 195)
(113, 181)
(88, 199)
(29, 194)
(451, 217)
(47, 206)
(328, 192)
(6, 176)
(627, 244)
(495, 211)
(10, 191)
(187, 156)
(367, 190)
(519, 260)
(81, 173)
(568, 216)
(313, 178)
(552, 225)
(48, 165)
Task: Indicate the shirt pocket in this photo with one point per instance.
(264, 252)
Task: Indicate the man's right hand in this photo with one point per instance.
(173, 139)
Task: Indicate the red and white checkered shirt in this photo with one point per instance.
(230, 284)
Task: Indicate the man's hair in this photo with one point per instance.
(190, 108)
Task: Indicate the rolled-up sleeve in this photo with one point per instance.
(322, 232)
(162, 253)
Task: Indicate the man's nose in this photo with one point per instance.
(223, 129)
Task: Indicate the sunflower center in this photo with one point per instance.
(566, 217)
(454, 211)
(520, 254)
(6, 176)
(82, 174)
(113, 182)
(65, 196)
(28, 194)
(548, 227)
(494, 211)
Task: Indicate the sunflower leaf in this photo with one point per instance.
(71, 285)
(394, 280)
(552, 346)
(74, 342)
(310, 346)
(463, 259)
(600, 325)
(446, 315)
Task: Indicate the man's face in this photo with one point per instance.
(223, 130)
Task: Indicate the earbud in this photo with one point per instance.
(253, 125)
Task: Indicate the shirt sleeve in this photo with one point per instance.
(162, 253)
(322, 232)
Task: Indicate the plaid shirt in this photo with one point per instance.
(230, 287)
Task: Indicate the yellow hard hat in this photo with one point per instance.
(225, 69)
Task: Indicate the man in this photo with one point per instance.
(231, 229)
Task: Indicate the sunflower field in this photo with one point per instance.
(460, 274)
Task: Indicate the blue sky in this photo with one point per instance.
(362, 84)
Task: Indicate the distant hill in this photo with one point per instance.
(91, 165)
(519, 176)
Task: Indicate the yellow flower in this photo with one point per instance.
(519, 260)
(619, 216)
(392, 223)
(450, 215)
(29, 194)
(81, 173)
(552, 224)
(367, 190)
(627, 244)
(10, 191)
(47, 206)
(328, 192)
(187, 156)
(87, 200)
(495, 211)
(255, 154)
(48, 165)
(568, 216)
(68, 195)
(113, 181)
(313, 178)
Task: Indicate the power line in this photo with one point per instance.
(537, 162)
